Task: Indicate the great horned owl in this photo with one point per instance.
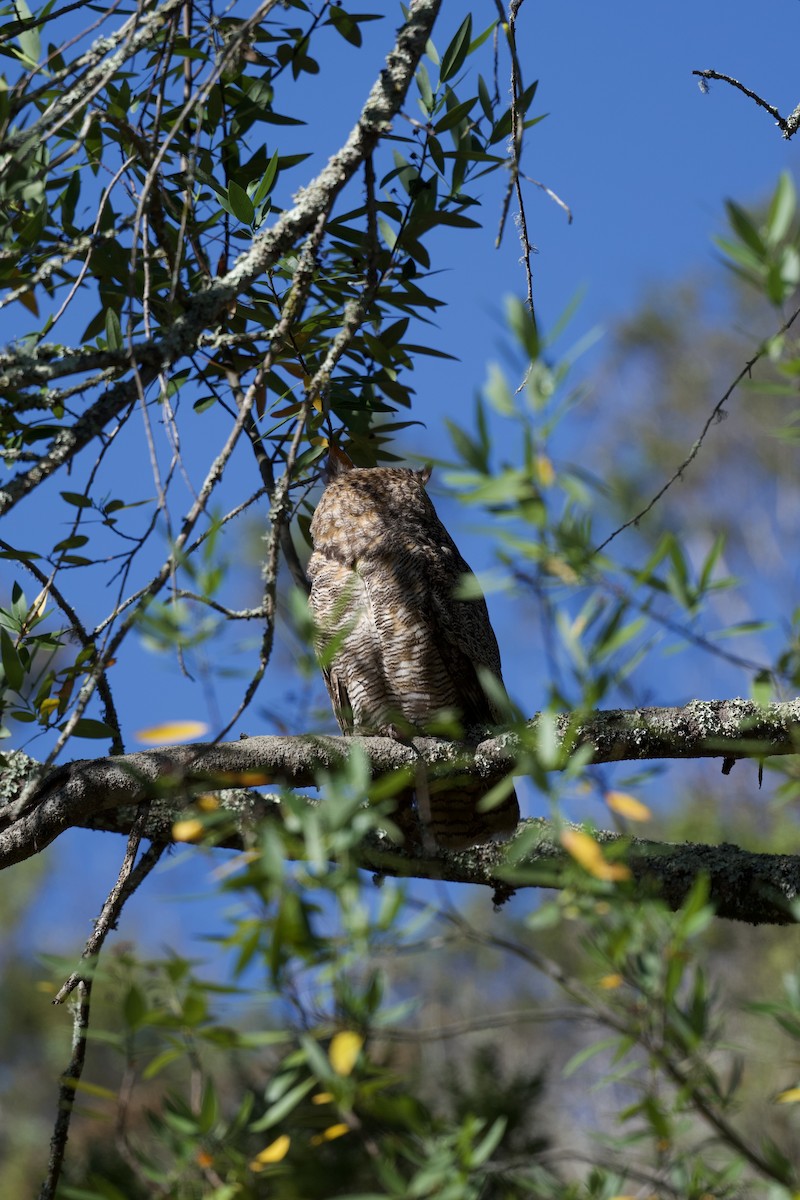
(384, 574)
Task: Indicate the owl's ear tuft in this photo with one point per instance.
(338, 463)
(424, 474)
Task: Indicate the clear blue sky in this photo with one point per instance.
(643, 159)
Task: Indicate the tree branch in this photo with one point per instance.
(208, 307)
(103, 794)
(787, 125)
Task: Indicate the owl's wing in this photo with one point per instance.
(340, 700)
(334, 602)
(465, 638)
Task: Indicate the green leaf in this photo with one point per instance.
(387, 233)
(240, 204)
(276, 1112)
(425, 89)
(455, 54)
(782, 209)
(743, 226)
(457, 113)
(345, 25)
(209, 1108)
(13, 667)
(134, 1007)
(113, 330)
(72, 543)
(737, 252)
(30, 41)
(503, 127)
(485, 99)
(264, 186)
(468, 450)
(583, 1056)
(86, 727)
(489, 1143)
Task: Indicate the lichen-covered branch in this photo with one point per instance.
(787, 125)
(103, 794)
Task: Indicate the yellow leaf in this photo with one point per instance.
(273, 1153)
(327, 1135)
(586, 852)
(321, 1098)
(790, 1096)
(343, 1051)
(610, 981)
(560, 568)
(47, 706)
(172, 731)
(627, 806)
(245, 778)
(545, 471)
(207, 802)
(39, 604)
(188, 830)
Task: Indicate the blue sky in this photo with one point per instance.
(643, 159)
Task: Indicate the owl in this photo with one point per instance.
(398, 646)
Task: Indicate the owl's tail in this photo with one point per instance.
(451, 812)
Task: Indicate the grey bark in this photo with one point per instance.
(103, 793)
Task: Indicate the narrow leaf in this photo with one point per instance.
(457, 51)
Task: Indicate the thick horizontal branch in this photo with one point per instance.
(102, 794)
(743, 886)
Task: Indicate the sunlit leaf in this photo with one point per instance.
(627, 806)
(344, 1050)
(588, 854)
(275, 1152)
(188, 830)
(330, 1134)
(170, 732)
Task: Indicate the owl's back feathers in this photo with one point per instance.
(384, 574)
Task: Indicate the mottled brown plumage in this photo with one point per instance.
(383, 576)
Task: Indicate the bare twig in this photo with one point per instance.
(128, 880)
(713, 416)
(787, 125)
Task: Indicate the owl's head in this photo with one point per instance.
(367, 510)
